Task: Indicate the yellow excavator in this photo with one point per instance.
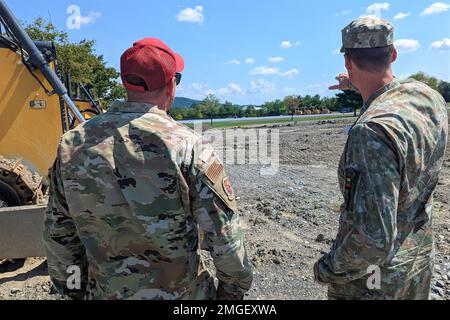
(36, 109)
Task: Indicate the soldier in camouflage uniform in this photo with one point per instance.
(130, 192)
(387, 174)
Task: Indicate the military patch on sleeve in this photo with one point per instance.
(215, 178)
(228, 188)
(214, 171)
(352, 179)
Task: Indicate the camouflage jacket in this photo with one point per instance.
(388, 174)
(130, 191)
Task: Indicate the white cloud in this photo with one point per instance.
(235, 87)
(401, 15)
(262, 86)
(436, 7)
(290, 73)
(407, 45)
(337, 51)
(76, 20)
(288, 44)
(231, 89)
(223, 92)
(376, 8)
(198, 86)
(318, 88)
(79, 20)
(344, 13)
(443, 45)
(250, 61)
(191, 15)
(276, 59)
(200, 91)
(91, 17)
(264, 71)
(234, 61)
(195, 90)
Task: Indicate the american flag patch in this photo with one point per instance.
(214, 171)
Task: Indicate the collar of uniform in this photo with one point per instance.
(135, 107)
(394, 84)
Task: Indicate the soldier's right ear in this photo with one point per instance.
(348, 63)
(394, 56)
(169, 89)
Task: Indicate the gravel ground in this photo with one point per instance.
(290, 219)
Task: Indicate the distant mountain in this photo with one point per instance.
(181, 102)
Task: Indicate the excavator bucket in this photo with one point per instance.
(21, 232)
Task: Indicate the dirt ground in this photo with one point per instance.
(290, 219)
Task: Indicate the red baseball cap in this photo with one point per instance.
(151, 60)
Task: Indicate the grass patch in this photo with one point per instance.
(262, 121)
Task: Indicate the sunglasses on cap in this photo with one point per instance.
(178, 78)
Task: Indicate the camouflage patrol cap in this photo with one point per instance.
(367, 32)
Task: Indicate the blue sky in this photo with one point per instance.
(249, 52)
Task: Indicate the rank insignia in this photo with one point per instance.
(228, 189)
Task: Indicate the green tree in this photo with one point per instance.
(198, 112)
(80, 61)
(228, 109)
(329, 103)
(250, 112)
(433, 82)
(211, 106)
(316, 101)
(349, 99)
(177, 113)
(292, 103)
(308, 102)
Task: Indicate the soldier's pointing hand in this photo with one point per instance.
(344, 83)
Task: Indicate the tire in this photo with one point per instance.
(8, 196)
(11, 265)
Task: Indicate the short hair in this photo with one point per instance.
(371, 59)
